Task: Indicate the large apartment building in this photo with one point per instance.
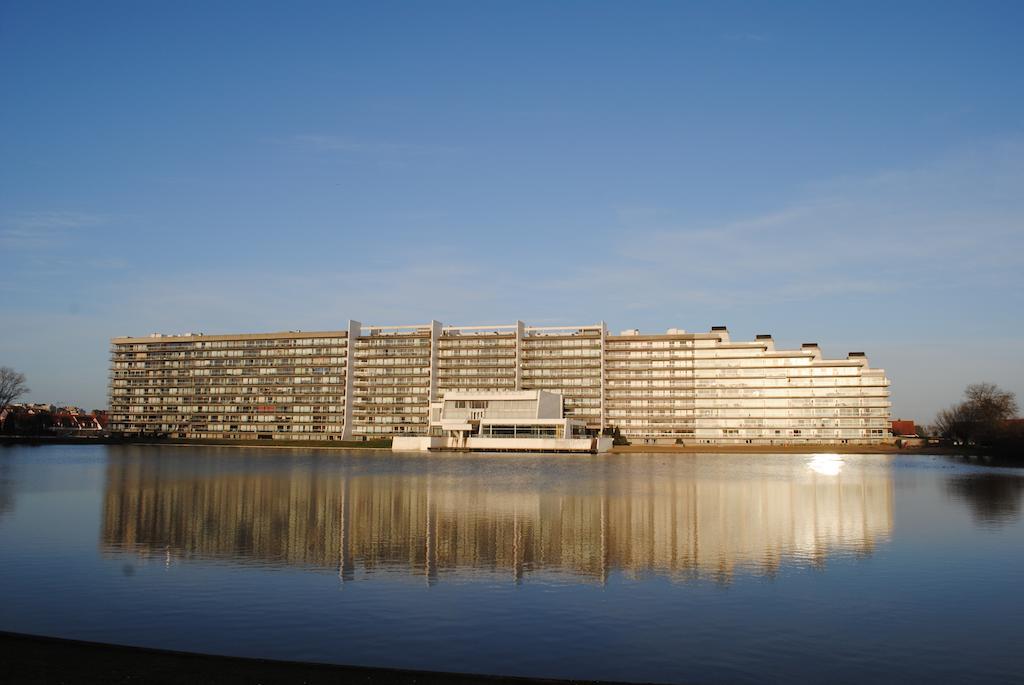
(370, 382)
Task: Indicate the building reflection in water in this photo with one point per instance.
(692, 516)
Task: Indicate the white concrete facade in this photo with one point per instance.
(522, 420)
(370, 382)
(591, 445)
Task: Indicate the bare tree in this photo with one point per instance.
(12, 386)
(946, 423)
(980, 417)
(988, 402)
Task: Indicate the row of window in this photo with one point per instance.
(220, 344)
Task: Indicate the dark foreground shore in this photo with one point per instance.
(34, 659)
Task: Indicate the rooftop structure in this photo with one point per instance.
(530, 420)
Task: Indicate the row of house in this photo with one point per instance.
(48, 419)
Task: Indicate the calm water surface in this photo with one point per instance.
(655, 567)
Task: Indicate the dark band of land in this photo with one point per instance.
(36, 659)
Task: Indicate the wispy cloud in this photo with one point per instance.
(955, 224)
(410, 286)
(43, 229)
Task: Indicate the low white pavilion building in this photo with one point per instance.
(513, 420)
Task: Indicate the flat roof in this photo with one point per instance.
(530, 422)
(194, 337)
(665, 336)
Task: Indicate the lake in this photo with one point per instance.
(641, 567)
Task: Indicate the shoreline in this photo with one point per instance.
(810, 448)
(41, 659)
(177, 442)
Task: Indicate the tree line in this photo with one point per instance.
(987, 417)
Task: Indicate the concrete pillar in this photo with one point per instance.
(520, 332)
(354, 330)
(435, 339)
(604, 381)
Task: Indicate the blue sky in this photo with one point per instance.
(846, 173)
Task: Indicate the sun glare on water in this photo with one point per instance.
(826, 464)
